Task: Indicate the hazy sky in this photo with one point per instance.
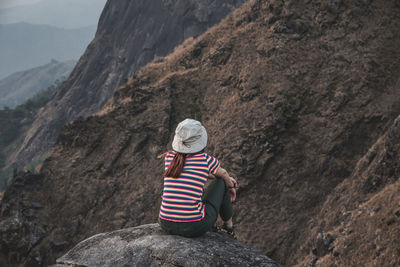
(12, 3)
(26, 25)
(59, 13)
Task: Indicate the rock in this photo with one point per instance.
(148, 245)
(35, 205)
(323, 244)
(313, 262)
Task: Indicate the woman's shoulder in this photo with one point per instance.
(209, 157)
(170, 154)
(204, 155)
(197, 156)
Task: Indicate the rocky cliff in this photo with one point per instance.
(300, 100)
(148, 245)
(129, 35)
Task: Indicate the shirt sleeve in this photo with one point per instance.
(213, 164)
(168, 159)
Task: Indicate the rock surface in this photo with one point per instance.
(148, 245)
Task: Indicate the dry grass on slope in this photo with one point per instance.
(292, 94)
(359, 224)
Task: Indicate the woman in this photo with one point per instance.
(185, 210)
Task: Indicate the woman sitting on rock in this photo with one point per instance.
(185, 210)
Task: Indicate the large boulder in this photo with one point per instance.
(148, 245)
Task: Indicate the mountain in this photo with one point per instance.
(24, 46)
(129, 35)
(69, 14)
(20, 86)
(301, 102)
(14, 122)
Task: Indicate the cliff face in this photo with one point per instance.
(129, 35)
(293, 95)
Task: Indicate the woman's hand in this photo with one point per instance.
(232, 193)
(232, 188)
(234, 183)
(230, 181)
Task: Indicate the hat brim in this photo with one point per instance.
(194, 147)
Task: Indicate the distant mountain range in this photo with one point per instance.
(24, 46)
(18, 87)
(59, 13)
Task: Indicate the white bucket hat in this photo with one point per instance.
(190, 137)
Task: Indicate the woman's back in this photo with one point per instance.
(186, 208)
(181, 199)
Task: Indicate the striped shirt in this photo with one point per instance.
(181, 199)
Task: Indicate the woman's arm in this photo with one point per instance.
(222, 173)
(211, 176)
(230, 182)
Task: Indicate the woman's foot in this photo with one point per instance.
(228, 228)
(229, 223)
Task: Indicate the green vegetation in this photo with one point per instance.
(197, 50)
(33, 164)
(291, 120)
(5, 178)
(13, 120)
(391, 221)
(57, 122)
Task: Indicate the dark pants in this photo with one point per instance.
(217, 201)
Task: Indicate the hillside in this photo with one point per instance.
(15, 121)
(129, 35)
(24, 46)
(20, 86)
(300, 100)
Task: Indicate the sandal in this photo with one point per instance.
(228, 230)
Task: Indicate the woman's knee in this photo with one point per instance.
(219, 182)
